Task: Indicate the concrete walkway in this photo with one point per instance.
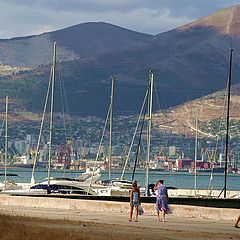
(116, 225)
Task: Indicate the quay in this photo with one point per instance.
(92, 218)
(201, 208)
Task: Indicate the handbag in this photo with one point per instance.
(140, 210)
(169, 211)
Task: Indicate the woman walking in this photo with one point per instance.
(134, 201)
(162, 199)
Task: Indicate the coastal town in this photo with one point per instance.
(76, 145)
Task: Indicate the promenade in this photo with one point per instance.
(82, 224)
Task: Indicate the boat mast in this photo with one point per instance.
(228, 115)
(150, 97)
(41, 129)
(143, 108)
(51, 112)
(195, 157)
(6, 142)
(110, 129)
(139, 144)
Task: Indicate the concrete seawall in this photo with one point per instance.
(211, 213)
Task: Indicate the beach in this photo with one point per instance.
(42, 223)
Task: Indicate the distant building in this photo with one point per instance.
(29, 139)
(20, 146)
(172, 151)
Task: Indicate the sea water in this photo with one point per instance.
(183, 180)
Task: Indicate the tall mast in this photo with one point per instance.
(41, 128)
(150, 97)
(143, 108)
(6, 141)
(195, 157)
(139, 144)
(228, 115)
(51, 112)
(110, 129)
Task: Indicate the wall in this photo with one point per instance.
(114, 206)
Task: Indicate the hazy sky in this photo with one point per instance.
(27, 17)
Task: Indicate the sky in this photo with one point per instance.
(30, 17)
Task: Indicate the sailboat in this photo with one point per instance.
(224, 190)
(7, 184)
(111, 186)
(147, 103)
(59, 185)
(116, 185)
(123, 186)
(10, 187)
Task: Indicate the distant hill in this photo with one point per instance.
(85, 40)
(189, 62)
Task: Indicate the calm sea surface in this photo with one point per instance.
(174, 179)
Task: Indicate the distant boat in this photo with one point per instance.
(157, 169)
(16, 165)
(208, 170)
(79, 185)
(9, 174)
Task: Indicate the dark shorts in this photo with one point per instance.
(135, 203)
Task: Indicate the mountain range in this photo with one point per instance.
(188, 62)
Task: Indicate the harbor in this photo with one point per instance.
(178, 183)
(172, 179)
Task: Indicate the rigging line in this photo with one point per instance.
(6, 142)
(118, 102)
(63, 113)
(65, 109)
(3, 123)
(221, 118)
(2, 127)
(135, 132)
(219, 130)
(62, 104)
(14, 152)
(100, 145)
(66, 105)
(111, 127)
(139, 142)
(157, 97)
(41, 127)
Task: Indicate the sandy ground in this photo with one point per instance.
(90, 225)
